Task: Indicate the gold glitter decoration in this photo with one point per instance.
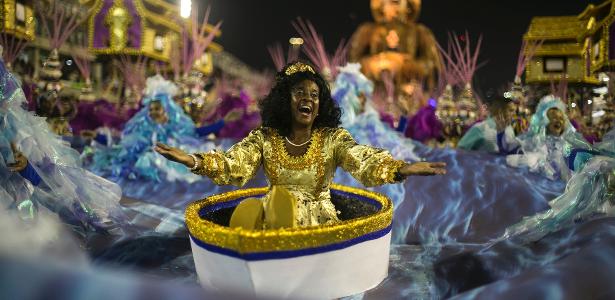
(372, 166)
(117, 20)
(149, 20)
(302, 161)
(389, 168)
(312, 157)
(298, 67)
(235, 166)
(9, 23)
(573, 38)
(254, 241)
(207, 165)
(566, 27)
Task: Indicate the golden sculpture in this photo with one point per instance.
(397, 43)
(118, 19)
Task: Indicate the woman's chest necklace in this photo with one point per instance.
(285, 159)
(296, 151)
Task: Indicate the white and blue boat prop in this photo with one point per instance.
(316, 262)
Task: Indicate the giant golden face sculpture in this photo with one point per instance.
(390, 10)
(396, 43)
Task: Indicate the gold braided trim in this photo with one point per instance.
(255, 241)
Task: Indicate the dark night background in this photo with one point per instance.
(250, 25)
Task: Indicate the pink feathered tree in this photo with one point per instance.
(448, 77)
(527, 52)
(11, 47)
(59, 21)
(134, 71)
(196, 40)
(314, 49)
(276, 52)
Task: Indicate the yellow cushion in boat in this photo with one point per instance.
(248, 214)
(280, 210)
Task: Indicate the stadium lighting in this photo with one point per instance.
(185, 8)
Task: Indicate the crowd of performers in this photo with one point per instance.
(513, 180)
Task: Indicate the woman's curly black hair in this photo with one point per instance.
(275, 108)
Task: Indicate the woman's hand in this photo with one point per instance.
(21, 162)
(175, 155)
(423, 169)
(501, 121)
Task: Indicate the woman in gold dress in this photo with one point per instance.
(300, 145)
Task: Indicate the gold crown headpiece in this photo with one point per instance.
(298, 67)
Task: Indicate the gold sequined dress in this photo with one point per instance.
(308, 176)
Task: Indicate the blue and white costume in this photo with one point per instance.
(547, 154)
(484, 136)
(133, 157)
(53, 181)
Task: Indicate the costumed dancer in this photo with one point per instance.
(160, 120)
(443, 207)
(496, 134)
(233, 118)
(548, 145)
(40, 172)
(424, 126)
(468, 204)
(300, 146)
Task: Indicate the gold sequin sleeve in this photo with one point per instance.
(371, 166)
(235, 166)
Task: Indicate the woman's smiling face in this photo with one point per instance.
(557, 122)
(304, 102)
